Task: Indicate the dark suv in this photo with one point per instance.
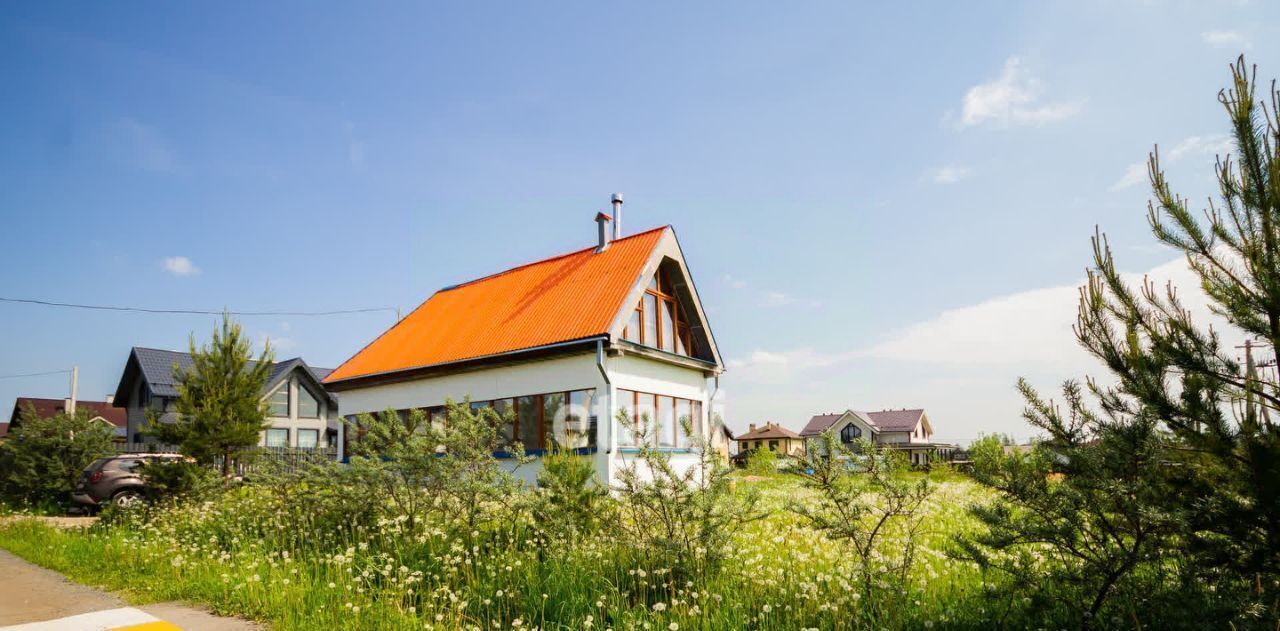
(115, 480)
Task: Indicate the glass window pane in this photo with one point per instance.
(668, 325)
(279, 405)
(277, 437)
(527, 422)
(580, 422)
(553, 416)
(684, 414)
(653, 282)
(650, 320)
(626, 433)
(506, 431)
(665, 429)
(646, 410)
(308, 405)
(308, 438)
(632, 332)
(682, 340)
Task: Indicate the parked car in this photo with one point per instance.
(115, 480)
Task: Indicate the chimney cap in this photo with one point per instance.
(603, 217)
(617, 198)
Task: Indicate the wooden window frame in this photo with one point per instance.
(682, 332)
(695, 411)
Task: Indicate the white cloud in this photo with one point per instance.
(950, 174)
(1014, 99)
(1207, 145)
(776, 299)
(735, 283)
(180, 266)
(960, 364)
(1226, 39)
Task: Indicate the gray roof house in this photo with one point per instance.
(905, 430)
(301, 413)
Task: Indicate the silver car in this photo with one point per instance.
(115, 480)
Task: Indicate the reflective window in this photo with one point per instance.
(627, 433)
(308, 405)
(278, 437)
(665, 429)
(308, 438)
(528, 422)
(684, 415)
(279, 402)
(650, 320)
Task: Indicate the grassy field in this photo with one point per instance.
(254, 555)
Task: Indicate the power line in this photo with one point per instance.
(70, 305)
(37, 374)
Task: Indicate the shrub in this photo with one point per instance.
(171, 479)
(43, 457)
(762, 462)
(865, 499)
(682, 521)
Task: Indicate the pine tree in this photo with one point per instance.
(220, 406)
(1166, 478)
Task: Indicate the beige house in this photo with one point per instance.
(773, 437)
(904, 430)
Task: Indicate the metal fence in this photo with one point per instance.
(255, 459)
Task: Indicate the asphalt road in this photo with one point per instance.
(30, 594)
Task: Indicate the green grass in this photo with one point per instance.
(246, 556)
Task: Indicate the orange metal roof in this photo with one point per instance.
(560, 299)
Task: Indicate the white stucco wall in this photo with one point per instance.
(575, 372)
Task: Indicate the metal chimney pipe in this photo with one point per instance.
(603, 243)
(617, 215)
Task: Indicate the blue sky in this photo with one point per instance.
(882, 207)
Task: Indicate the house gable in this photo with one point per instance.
(867, 430)
(668, 259)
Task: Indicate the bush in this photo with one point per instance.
(43, 457)
(762, 462)
(179, 480)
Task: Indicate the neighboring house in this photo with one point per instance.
(722, 441)
(300, 412)
(99, 411)
(904, 430)
(564, 344)
(773, 437)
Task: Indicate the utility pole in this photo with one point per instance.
(75, 376)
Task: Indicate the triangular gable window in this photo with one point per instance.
(659, 320)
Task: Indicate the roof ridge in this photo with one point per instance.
(547, 260)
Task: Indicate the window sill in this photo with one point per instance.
(506, 455)
(665, 450)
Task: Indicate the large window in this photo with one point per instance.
(279, 403)
(850, 433)
(662, 416)
(278, 437)
(529, 421)
(308, 405)
(658, 320)
(308, 438)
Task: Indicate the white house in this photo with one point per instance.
(564, 343)
(904, 430)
